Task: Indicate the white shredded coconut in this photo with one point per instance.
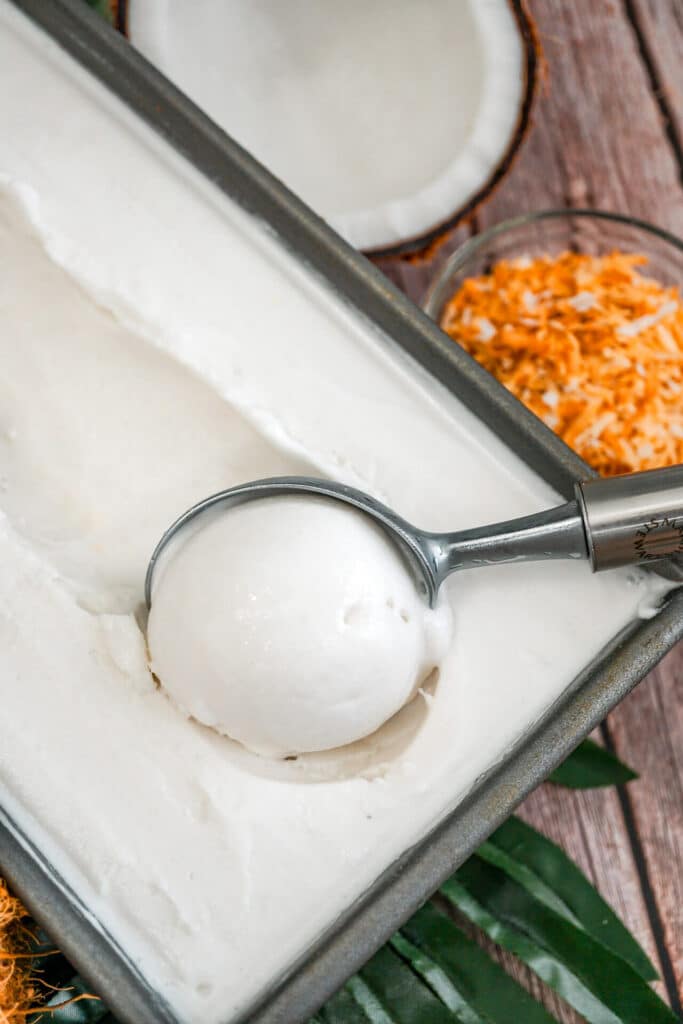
(595, 431)
(551, 398)
(642, 323)
(582, 301)
(621, 361)
(667, 339)
(529, 299)
(602, 422)
(627, 449)
(650, 425)
(486, 329)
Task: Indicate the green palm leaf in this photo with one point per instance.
(482, 984)
(610, 979)
(437, 980)
(399, 993)
(591, 766)
(342, 1008)
(549, 968)
(542, 868)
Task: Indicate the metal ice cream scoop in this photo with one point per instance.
(626, 520)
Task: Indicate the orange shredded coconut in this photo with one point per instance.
(18, 990)
(589, 344)
(22, 993)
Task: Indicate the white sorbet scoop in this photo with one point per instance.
(297, 614)
(291, 624)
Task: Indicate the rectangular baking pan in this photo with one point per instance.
(605, 681)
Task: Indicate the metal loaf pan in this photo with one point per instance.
(624, 662)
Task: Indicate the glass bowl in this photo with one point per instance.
(550, 232)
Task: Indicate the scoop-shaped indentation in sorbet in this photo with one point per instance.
(291, 624)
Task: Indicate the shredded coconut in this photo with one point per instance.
(643, 323)
(582, 301)
(596, 351)
(486, 329)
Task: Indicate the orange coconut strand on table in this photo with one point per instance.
(18, 989)
(588, 343)
(23, 993)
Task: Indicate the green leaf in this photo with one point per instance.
(609, 978)
(526, 877)
(437, 980)
(103, 7)
(365, 998)
(589, 766)
(342, 1008)
(544, 861)
(398, 993)
(484, 986)
(548, 967)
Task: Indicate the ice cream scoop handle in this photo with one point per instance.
(627, 520)
(634, 519)
(555, 533)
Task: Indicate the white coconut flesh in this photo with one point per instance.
(385, 116)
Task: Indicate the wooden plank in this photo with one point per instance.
(647, 730)
(597, 138)
(659, 25)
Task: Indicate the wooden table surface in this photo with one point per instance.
(608, 133)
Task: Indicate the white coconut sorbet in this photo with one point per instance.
(292, 624)
(157, 345)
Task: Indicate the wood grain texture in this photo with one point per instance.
(647, 730)
(598, 137)
(659, 25)
(607, 133)
(414, 278)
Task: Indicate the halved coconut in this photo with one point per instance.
(391, 118)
